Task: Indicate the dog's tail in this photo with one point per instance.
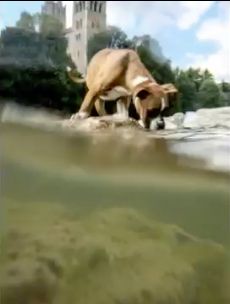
(74, 78)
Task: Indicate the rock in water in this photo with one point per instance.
(201, 119)
(174, 122)
(100, 123)
(208, 118)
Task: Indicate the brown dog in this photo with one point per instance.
(119, 74)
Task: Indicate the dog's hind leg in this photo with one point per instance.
(98, 89)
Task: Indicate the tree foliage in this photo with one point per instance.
(198, 89)
(187, 91)
(112, 38)
(33, 68)
(47, 24)
(209, 95)
(40, 22)
(26, 22)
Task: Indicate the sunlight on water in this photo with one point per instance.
(109, 219)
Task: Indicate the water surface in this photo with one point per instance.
(108, 218)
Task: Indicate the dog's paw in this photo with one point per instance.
(157, 124)
(73, 117)
(160, 124)
(141, 123)
(80, 115)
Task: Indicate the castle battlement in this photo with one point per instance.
(55, 9)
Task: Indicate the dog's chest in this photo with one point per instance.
(115, 93)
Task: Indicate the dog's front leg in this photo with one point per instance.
(100, 107)
(142, 112)
(86, 106)
(122, 108)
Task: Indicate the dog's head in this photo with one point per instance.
(153, 101)
(150, 101)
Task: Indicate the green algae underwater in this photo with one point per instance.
(104, 218)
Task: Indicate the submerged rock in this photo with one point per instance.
(117, 255)
(27, 281)
(174, 122)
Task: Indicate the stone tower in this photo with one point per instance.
(89, 18)
(56, 10)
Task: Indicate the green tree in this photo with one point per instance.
(162, 72)
(26, 22)
(113, 37)
(33, 70)
(187, 92)
(224, 93)
(198, 76)
(207, 75)
(197, 89)
(209, 95)
(151, 44)
(225, 87)
(48, 25)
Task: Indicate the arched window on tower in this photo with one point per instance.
(83, 5)
(100, 7)
(76, 8)
(95, 6)
(81, 23)
(91, 5)
(80, 5)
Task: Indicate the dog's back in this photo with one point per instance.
(107, 61)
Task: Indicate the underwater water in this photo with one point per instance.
(105, 218)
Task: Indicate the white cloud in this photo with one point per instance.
(216, 30)
(150, 17)
(192, 12)
(153, 16)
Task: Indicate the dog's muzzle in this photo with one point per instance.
(155, 119)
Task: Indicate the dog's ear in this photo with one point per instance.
(171, 92)
(169, 88)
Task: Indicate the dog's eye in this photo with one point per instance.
(143, 94)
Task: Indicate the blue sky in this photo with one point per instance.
(10, 10)
(176, 42)
(191, 33)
